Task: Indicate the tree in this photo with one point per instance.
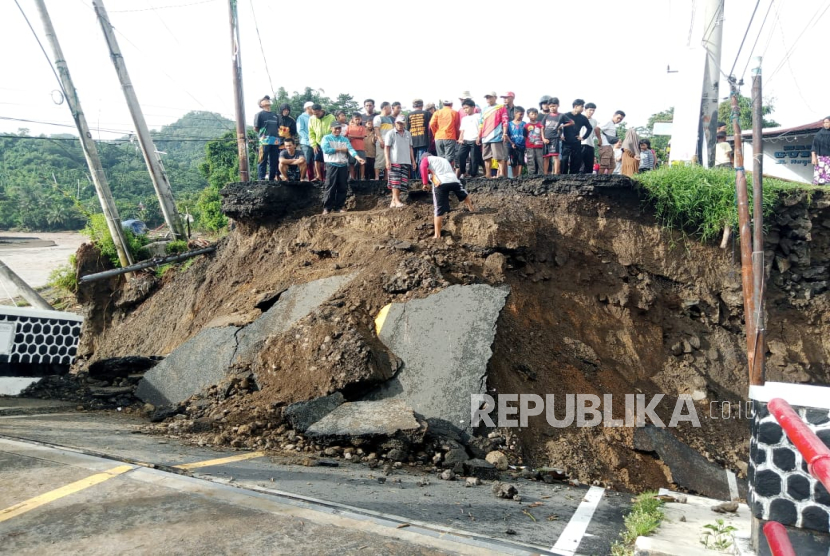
(745, 106)
(659, 143)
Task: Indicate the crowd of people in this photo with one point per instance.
(442, 145)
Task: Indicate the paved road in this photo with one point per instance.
(84, 482)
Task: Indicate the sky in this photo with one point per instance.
(615, 54)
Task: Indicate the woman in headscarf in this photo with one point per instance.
(631, 153)
(821, 155)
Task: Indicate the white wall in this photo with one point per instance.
(786, 157)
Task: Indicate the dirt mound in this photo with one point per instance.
(603, 300)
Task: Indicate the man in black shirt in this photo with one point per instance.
(417, 124)
(572, 140)
(267, 126)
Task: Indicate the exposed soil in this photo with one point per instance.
(603, 300)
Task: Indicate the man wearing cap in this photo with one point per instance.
(305, 145)
(400, 159)
(318, 125)
(384, 123)
(437, 170)
(491, 135)
(267, 126)
(444, 126)
(417, 124)
(509, 105)
(336, 150)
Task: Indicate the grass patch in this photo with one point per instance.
(65, 277)
(164, 269)
(700, 201)
(645, 516)
(176, 247)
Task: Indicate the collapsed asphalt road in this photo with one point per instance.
(196, 500)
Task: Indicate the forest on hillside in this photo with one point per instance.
(45, 183)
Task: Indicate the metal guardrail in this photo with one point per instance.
(814, 452)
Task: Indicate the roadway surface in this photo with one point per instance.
(84, 482)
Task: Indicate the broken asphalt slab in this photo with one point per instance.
(204, 360)
(198, 363)
(302, 415)
(295, 303)
(445, 343)
(688, 468)
(386, 418)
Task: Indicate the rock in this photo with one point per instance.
(456, 455)
(472, 482)
(447, 475)
(498, 459)
(422, 482)
(385, 418)
(121, 367)
(381, 480)
(482, 469)
(437, 382)
(302, 415)
(396, 454)
(504, 490)
(725, 507)
(694, 341)
(687, 347)
(517, 498)
(677, 349)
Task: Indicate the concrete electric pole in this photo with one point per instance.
(241, 134)
(712, 42)
(148, 148)
(90, 150)
(30, 295)
(758, 266)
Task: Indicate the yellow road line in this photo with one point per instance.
(72, 488)
(220, 461)
(381, 318)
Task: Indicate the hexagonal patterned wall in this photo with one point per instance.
(41, 336)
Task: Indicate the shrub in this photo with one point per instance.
(98, 232)
(65, 277)
(175, 247)
(702, 200)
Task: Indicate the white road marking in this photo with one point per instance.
(569, 540)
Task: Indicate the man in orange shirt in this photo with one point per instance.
(444, 126)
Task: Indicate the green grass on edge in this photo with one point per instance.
(645, 516)
(700, 201)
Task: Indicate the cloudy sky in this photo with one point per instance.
(612, 53)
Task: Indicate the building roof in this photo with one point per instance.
(779, 131)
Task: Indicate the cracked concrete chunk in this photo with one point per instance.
(302, 415)
(367, 419)
(445, 343)
(688, 468)
(198, 363)
(295, 303)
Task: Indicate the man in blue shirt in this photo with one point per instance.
(336, 150)
(305, 144)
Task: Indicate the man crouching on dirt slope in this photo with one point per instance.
(444, 181)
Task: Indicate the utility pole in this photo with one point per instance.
(758, 267)
(30, 295)
(90, 150)
(747, 279)
(241, 134)
(712, 43)
(148, 148)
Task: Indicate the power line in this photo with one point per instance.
(115, 141)
(163, 7)
(812, 22)
(732, 71)
(42, 49)
(261, 48)
(751, 52)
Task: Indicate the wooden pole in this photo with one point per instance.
(744, 232)
(160, 182)
(99, 179)
(757, 371)
(241, 134)
(25, 290)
